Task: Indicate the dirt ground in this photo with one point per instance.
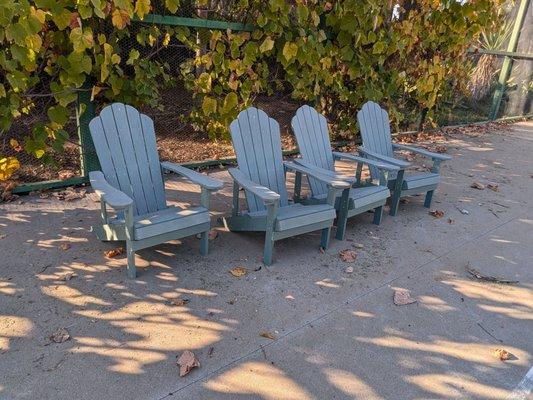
(335, 334)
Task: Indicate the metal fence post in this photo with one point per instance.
(85, 111)
(508, 61)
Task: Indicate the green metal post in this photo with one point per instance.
(508, 61)
(85, 112)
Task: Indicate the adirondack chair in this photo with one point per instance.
(377, 144)
(261, 173)
(311, 131)
(131, 183)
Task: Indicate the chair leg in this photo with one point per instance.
(429, 197)
(324, 242)
(269, 248)
(204, 243)
(378, 214)
(395, 201)
(343, 215)
(132, 271)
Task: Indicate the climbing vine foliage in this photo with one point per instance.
(333, 54)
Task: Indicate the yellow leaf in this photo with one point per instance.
(142, 7)
(120, 18)
(8, 166)
(166, 39)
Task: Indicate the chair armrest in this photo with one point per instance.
(264, 193)
(435, 156)
(114, 197)
(195, 177)
(389, 160)
(327, 172)
(315, 172)
(353, 157)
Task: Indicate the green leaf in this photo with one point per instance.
(209, 105)
(267, 45)
(58, 115)
(290, 50)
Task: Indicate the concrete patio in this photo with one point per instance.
(338, 335)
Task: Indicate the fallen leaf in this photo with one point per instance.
(187, 361)
(436, 213)
(494, 187)
(502, 354)
(114, 252)
(321, 250)
(60, 336)
(69, 194)
(348, 255)
(68, 276)
(3, 236)
(178, 302)
(402, 297)
(213, 234)
(65, 174)
(64, 246)
(477, 185)
(210, 351)
(238, 271)
(349, 270)
(267, 335)
(451, 221)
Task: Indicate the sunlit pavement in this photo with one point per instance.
(338, 335)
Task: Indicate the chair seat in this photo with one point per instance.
(298, 215)
(362, 196)
(419, 180)
(414, 181)
(165, 221)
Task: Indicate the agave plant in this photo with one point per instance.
(491, 38)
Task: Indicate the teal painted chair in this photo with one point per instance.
(377, 145)
(312, 135)
(261, 173)
(131, 183)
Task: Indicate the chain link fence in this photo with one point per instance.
(178, 141)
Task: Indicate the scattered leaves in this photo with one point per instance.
(402, 297)
(440, 149)
(60, 336)
(436, 213)
(238, 271)
(477, 185)
(502, 354)
(69, 194)
(348, 255)
(267, 335)
(114, 252)
(65, 174)
(187, 361)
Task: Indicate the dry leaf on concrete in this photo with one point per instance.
(267, 335)
(187, 361)
(477, 185)
(450, 221)
(402, 297)
(502, 354)
(436, 213)
(494, 187)
(348, 255)
(60, 336)
(114, 252)
(178, 302)
(64, 246)
(68, 276)
(238, 271)
(213, 234)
